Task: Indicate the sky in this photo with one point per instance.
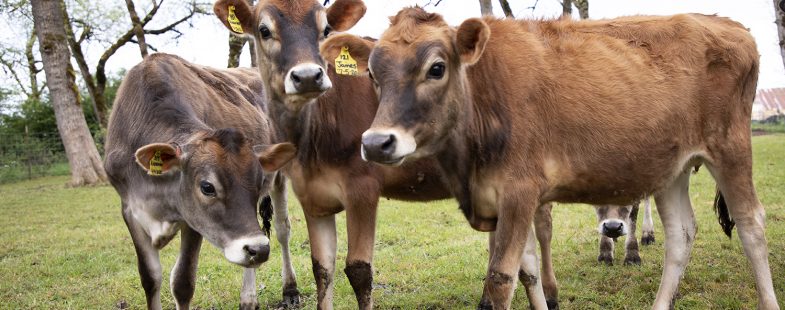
(206, 43)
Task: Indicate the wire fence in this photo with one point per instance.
(31, 155)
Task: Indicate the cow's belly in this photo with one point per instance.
(321, 193)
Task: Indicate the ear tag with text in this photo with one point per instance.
(156, 164)
(345, 64)
(234, 22)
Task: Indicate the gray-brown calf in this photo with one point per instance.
(188, 150)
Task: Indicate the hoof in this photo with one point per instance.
(605, 258)
(291, 299)
(485, 305)
(647, 239)
(249, 306)
(632, 260)
(552, 304)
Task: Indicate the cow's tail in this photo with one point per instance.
(721, 209)
(266, 212)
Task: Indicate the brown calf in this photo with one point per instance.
(324, 114)
(179, 153)
(521, 113)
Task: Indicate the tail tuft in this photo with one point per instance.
(266, 212)
(721, 209)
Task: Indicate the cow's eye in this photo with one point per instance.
(265, 32)
(327, 30)
(207, 188)
(436, 71)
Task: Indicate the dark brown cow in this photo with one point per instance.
(179, 153)
(521, 113)
(324, 114)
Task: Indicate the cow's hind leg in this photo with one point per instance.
(735, 183)
(148, 261)
(673, 205)
(182, 280)
(631, 255)
(321, 234)
(291, 295)
(647, 234)
(543, 227)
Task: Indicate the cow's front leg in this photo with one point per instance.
(360, 230)
(321, 233)
(543, 227)
(606, 250)
(513, 228)
(631, 255)
(291, 295)
(182, 280)
(248, 298)
(148, 262)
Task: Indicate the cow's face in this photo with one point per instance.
(287, 34)
(221, 181)
(613, 220)
(418, 67)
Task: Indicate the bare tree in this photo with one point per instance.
(12, 63)
(136, 23)
(566, 9)
(97, 85)
(486, 8)
(506, 8)
(583, 8)
(236, 44)
(779, 14)
(83, 157)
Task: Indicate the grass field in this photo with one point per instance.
(66, 248)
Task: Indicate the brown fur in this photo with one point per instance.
(598, 112)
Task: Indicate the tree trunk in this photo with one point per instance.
(566, 8)
(779, 14)
(486, 8)
(236, 44)
(506, 8)
(35, 91)
(97, 94)
(252, 49)
(83, 157)
(583, 8)
(137, 27)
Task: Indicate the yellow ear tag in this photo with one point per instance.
(234, 22)
(156, 164)
(345, 64)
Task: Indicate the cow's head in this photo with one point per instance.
(612, 219)
(418, 67)
(221, 180)
(287, 34)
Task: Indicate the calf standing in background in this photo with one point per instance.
(187, 150)
(616, 221)
(520, 113)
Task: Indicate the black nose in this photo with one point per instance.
(379, 147)
(307, 79)
(258, 252)
(612, 229)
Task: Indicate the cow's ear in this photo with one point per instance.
(236, 15)
(344, 14)
(274, 157)
(158, 158)
(471, 38)
(349, 45)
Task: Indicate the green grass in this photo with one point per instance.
(770, 128)
(66, 248)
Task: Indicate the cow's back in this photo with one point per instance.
(607, 94)
(165, 99)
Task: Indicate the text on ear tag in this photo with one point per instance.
(156, 164)
(234, 22)
(345, 64)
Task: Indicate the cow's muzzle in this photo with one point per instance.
(249, 252)
(307, 79)
(387, 147)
